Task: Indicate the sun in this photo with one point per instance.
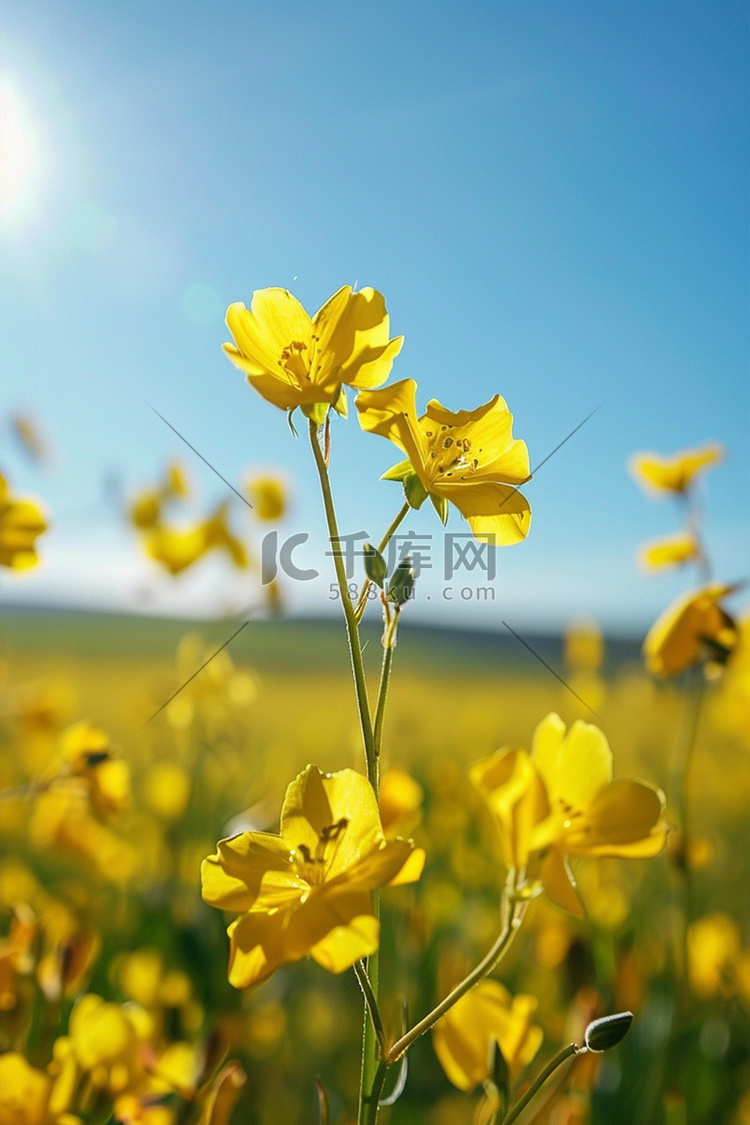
(19, 159)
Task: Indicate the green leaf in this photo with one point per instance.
(608, 1031)
(440, 504)
(416, 493)
(375, 565)
(398, 472)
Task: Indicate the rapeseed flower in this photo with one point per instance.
(307, 891)
(469, 458)
(561, 801)
(293, 359)
(488, 1013)
(664, 475)
(268, 497)
(21, 523)
(693, 630)
(674, 550)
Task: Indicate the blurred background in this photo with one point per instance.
(552, 198)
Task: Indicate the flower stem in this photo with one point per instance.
(371, 1000)
(359, 609)
(681, 777)
(513, 911)
(352, 628)
(389, 643)
(562, 1056)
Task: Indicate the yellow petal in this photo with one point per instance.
(344, 945)
(315, 802)
(231, 879)
(677, 639)
(674, 474)
(257, 947)
(392, 863)
(672, 551)
(584, 766)
(496, 512)
(392, 413)
(559, 884)
(623, 820)
(489, 429)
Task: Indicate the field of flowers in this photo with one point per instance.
(113, 983)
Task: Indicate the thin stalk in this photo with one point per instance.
(371, 1000)
(370, 1105)
(514, 917)
(352, 629)
(562, 1056)
(389, 643)
(359, 609)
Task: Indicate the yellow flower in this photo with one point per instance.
(463, 1038)
(714, 950)
(561, 801)
(294, 360)
(24, 1092)
(671, 551)
(694, 629)
(468, 458)
(590, 813)
(87, 753)
(399, 801)
(268, 497)
(145, 510)
(307, 891)
(21, 522)
(674, 474)
(177, 549)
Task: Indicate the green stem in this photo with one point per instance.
(359, 609)
(514, 910)
(562, 1056)
(352, 629)
(371, 1000)
(370, 1105)
(389, 643)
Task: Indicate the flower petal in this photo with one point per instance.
(392, 413)
(315, 802)
(623, 820)
(583, 768)
(489, 429)
(231, 879)
(559, 884)
(497, 513)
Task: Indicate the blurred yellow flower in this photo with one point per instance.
(145, 510)
(590, 813)
(463, 1038)
(469, 458)
(24, 1092)
(21, 522)
(294, 360)
(584, 646)
(694, 629)
(267, 496)
(87, 752)
(717, 964)
(674, 474)
(673, 550)
(176, 549)
(307, 891)
(561, 801)
(399, 801)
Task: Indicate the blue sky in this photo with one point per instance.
(551, 195)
